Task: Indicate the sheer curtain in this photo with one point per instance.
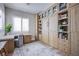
(17, 24)
(25, 24)
(1, 20)
(20, 24)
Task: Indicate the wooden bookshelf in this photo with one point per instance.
(39, 25)
(63, 21)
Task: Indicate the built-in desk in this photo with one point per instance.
(9, 39)
(7, 44)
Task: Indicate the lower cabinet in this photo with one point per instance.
(27, 39)
(40, 37)
(9, 47)
(61, 45)
(64, 46)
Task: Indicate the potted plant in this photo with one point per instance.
(8, 28)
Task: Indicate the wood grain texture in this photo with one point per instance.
(74, 12)
(53, 23)
(50, 32)
(45, 30)
(9, 47)
(27, 39)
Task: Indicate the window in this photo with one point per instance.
(20, 24)
(17, 24)
(25, 24)
(1, 20)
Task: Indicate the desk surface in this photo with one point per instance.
(2, 44)
(3, 38)
(8, 37)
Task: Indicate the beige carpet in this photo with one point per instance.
(36, 49)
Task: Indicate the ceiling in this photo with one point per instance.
(29, 7)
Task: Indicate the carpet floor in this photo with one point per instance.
(36, 49)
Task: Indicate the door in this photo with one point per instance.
(45, 30)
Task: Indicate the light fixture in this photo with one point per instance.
(27, 3)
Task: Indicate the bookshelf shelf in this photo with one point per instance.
(63, 21)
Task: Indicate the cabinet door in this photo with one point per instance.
(27, 39)
(74, 12)
(53, 23)
(51, 34)
(61, 44)
(9, 47)
(40, 37)
(45, 30)
(77, 26)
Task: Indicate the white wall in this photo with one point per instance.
(3, 17)
(11, 12)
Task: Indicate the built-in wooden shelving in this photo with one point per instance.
(39, 23)
(63, 21)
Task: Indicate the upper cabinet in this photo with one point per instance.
(62, 6)
(49, 12)
(54, 9)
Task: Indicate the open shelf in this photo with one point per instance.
(62, 6)
(63, 18)
(39, 23)
(63, 21)
(63, 25)
(62, 11)
(63, 35)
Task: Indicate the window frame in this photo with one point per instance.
(21, 24)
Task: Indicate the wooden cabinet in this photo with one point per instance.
(27, 39)
(61, 44)
(9, 46)
(64, 29)
(74, 17)
(64, 46)
(40, 37)
(45, 25)
(67, 47)
(64, 22)
(53, 36)
(72, 4)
